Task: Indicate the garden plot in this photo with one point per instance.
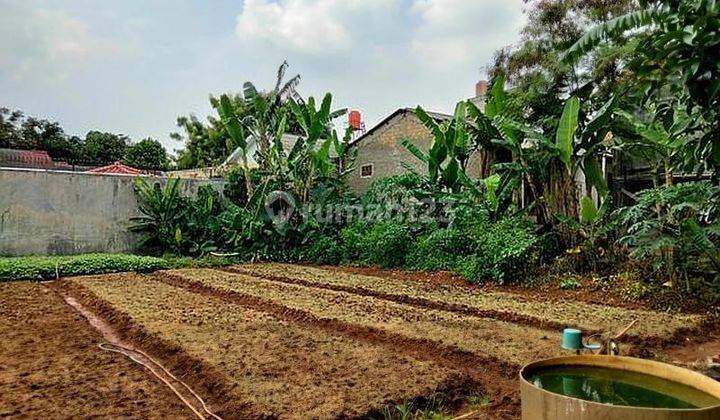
(51, 367)
(554, 315)
(269, 366)
(488, 338)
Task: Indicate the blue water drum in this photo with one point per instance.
(572, 339)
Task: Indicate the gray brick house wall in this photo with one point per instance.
(381, 153)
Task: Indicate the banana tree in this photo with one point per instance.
(238, 138)
(449, 149)
(265, 110)
(309, 160)
(548, 164)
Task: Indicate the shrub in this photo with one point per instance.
(438, 250)
(383, 244)
(393, 189)
(18, 268)
(501, 250)
(677, 228)
(506, 248)
(323, 250)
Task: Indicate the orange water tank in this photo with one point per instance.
(355, 119)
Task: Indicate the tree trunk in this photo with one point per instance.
(561, 192)
(668, 173)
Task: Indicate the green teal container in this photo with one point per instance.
(572, 339)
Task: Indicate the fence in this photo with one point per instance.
(59, 213)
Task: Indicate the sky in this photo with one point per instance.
(132, 67)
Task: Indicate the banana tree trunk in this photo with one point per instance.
(561, 192)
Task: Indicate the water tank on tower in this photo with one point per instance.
(356, 123)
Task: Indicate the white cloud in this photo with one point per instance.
(452, 33)
(46, 44)
(307, 26)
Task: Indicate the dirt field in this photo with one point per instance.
(51, 367)
(277, 340)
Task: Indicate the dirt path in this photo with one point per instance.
(51, 366)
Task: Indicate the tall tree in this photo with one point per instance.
(677, 47)
(208, 143)
(533, 66)
(147, 154)
(103, 148)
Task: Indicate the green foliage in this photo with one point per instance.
(103, 148)
(677, 228)
(676, 55)
(570, 283)
(502, 251)
(449, 151)
(565, 134)
(384, 244)
(162, 214)
(323, 249)
(37, 268)
(236, 186)
(147, 154)
(438, 250)
(395, 189)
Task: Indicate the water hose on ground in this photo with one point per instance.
(127, 352)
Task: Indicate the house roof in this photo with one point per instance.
(116, 168)
(438, 116)
(26, 158)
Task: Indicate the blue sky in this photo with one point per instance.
(133, 66)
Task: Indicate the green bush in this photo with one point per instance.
(438, 250)
(476, 248)
(383, 244)
(503, 250)
(323, 250)
(18, 268)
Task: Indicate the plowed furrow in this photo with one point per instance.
(418, 302)
(487, 374)
(205, 379)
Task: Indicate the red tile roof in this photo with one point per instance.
(116, 168)
(26, 158)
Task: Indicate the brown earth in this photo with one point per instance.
(653, 326)
(262, 358)
(288, 341)
(51, 366)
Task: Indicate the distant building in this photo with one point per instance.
(33, 159)
(381, 153)
(14, 158)
(116, 168)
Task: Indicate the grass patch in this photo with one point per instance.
(52, 267)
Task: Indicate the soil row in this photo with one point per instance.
(51, 366)
(489, 339)
(489, 375)
(551, 315)
(266, 358)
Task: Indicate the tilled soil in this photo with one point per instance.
(516, 308)
(287, 341)
(51, 366)
(270, 366)
(487, 338)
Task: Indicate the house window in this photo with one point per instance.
(366, 171)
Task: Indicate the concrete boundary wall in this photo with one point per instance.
(60, 213)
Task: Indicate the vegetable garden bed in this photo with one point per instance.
(590, 317)
(287, 341)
